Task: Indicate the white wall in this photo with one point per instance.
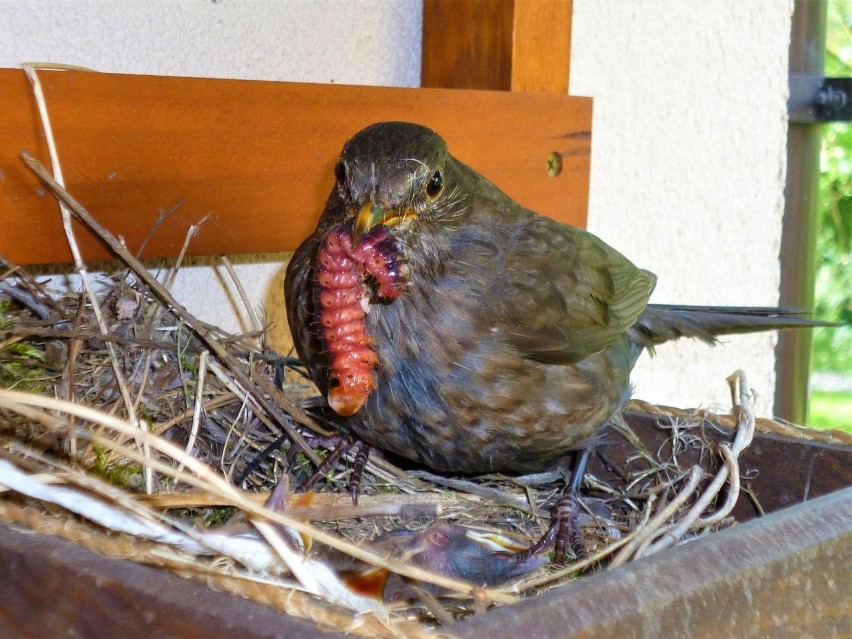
(688, 166)
(689, 131)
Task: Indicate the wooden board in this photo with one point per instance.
(467, 44)
(541, 48)
(522, 45)
(256, 157)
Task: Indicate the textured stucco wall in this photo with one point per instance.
(688, 166)
(689, 132)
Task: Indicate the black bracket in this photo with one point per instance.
(815, 99)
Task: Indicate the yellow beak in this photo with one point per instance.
(369, 216)
(372, 215)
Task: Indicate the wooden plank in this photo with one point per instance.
(522, 45)
(54, 588)
(467, 44)
(541, 48)
(256, 156)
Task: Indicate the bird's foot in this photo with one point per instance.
(339, 445)
(564, 517)
(563, 533)
(358, 465)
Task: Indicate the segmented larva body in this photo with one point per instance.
(343, 305)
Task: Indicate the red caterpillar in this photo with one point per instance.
(344, 303)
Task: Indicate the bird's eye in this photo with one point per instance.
(340, 173)
(435, 184)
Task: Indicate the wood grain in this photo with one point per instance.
(518, 45)
(256, 157)
(54, 588)
(467, 44)
(541, 48)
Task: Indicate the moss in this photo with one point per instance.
(219, 516)
(22, 363)
(120, 475)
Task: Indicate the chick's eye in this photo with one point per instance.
(435, 184)
(340, 173)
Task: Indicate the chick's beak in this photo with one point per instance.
(371, 215)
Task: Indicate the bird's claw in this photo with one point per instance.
(339, 445)
(563, 532)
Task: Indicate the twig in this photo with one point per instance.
(574, 568)
(692, 520)
(322, 506)
(26, 298)
(33, 286)
(491, 494)
(26, 330)
(742, 440)
(654, 525)
(431, 603)
(146, 367)
(80, 266)
(162, 217)
(168, 299)
(223, 400)
(199, 394)
(190, 233)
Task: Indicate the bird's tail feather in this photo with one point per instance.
(660, 323)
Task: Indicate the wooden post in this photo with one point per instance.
(520, 45)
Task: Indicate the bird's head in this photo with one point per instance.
(399, 175)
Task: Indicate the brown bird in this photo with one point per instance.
(513, 341)
(449, 325)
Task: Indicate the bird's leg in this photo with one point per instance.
(565, 514)
(358, 465)
(564, 529)
(339, 444)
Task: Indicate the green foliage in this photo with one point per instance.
(832, 348)
(831, 409)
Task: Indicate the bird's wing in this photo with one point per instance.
(299, 300)
(565, 294)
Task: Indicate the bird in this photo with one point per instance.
(449, 325)
(511, 337)
(445, 548)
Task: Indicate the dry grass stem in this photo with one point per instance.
(241, 291)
